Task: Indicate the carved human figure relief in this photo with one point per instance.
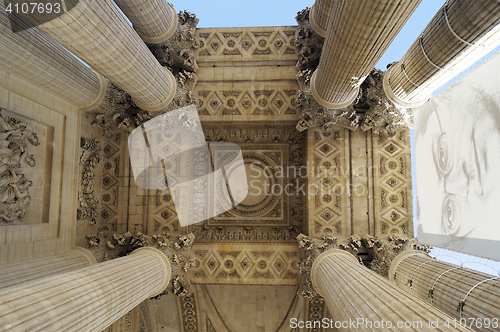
(16, 141)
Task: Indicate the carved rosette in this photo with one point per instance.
(178, 50)
(307, 41)
(312, 248)
(106, 247)
(383, 252)
(177, 251)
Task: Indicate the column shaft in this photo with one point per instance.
(36, 58)
(357, 35)
(19, 272)
(320, 14)
(154, 20)
(87, 299)
(354, 293)
(453, 30)
(98, 33)
(449, 284)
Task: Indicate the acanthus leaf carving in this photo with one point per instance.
(178, 50)
(383, 252)
(176, 249)
(106, 246)
(312, 248)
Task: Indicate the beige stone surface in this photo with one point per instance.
(369, 296)
(450, 285)
(86, 299)
(33, 56)
(22, 242)
(88, 31)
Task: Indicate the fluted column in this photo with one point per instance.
(33, 56)
(320, 14)
(455, 28)
(98, 33)
(19, 272)
(355, 293)
(87, 299)
(357, 35)
(154, 20)
(449, 287)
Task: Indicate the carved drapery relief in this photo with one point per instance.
(312, 248)
(177, 251)
(383, 252)
(17, 140)
(245, 264)
(392, 184)
(178, 50)
(87, 200)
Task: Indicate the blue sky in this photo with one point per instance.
(237, 13)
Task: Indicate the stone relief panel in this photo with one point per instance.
(392, 184)
(328, 186)
(88, 203)
(25, 169)
(245, 264)
(269, 145)
(244, 102)
(266, 203)
(189, 312)
(258, 43)
(113, 188)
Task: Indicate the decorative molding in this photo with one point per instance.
(328, 172)
(178, 50)
(383, 252)
(245, 102)
(246, 44)
(393, 207)
(312, 248)
(245, 264)
(177, 251)
(87, 201)
(188, 309)
(17, 140)
(110, 213)
(316, 311)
